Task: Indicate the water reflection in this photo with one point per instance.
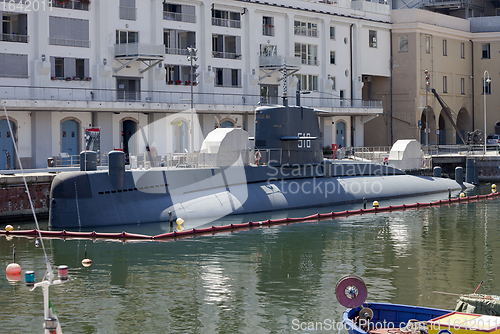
(258, 280)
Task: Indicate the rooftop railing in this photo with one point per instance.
(14, 38)
(170, 97)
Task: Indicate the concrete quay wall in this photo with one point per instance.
(14, 202)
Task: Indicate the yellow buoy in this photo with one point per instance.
(180, 221)
(9, 228)
(462, 195)
(493, 187)
(375, 204)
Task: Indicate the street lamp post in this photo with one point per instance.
(485, 84)
(427, 83)
(192, 57)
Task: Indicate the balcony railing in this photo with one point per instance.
(226, 23)
(69, 42)
(306, 32)
(277, 61)
(172, 16)
(128, 13)
(139, 50)
(14, 38)
(267, 30)
(175, 51)
(226, 55)
(170, 97)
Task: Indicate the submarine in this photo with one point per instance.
(283, 169)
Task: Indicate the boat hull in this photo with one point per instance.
(387, 315)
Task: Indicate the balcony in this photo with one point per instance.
(149, 51)
(301, 31)
(277, 61)
(176, 51)
(130, 52)
(69, 42)
(181, 17)
(226, 22)
(17, 38)
(226, 55)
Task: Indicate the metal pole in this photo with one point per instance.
(485, 82)
(191, 147)
(426, 116)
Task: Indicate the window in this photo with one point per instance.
(486, 86)
(462, 50)
(14, 28)
(224, 18)
(462, 85)
(334, 83)
(308, 53)
(178, 75)
(13, 65)
(445, 84)
(69, 32)
(62, 68)
(267, 50)
(332, 57)
(58, 68)
(71, 4)
(305, 28)
(127, 37)
(177, 41)
(445, 47)
(372, 36)
(226, 46)
(427, 44)
(267, 26)
(403, 43)
(485, 51)
(227, 77)
(308, 81)
(177, 12)
(332, 32)
(127, 10)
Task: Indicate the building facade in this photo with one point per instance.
(456, 53)
(121, 66)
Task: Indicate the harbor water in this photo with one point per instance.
(274, 279)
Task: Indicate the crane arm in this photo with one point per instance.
(448, 111)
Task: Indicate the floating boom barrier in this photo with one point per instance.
(215, 229)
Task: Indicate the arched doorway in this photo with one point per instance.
(6, 145)
(69, 140)
(442, 130)
(227, 124)
(128, 129)
(431, 124)
(340, 127)
(464, 125)
(180, 132)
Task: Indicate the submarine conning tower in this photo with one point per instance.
(288, 134)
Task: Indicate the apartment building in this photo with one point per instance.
(121, 66)
(456, 52)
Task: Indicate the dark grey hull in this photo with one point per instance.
(88, 199)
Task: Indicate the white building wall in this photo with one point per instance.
(96, 105)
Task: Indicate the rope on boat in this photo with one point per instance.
(215, 229)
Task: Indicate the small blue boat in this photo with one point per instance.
(387, 318)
